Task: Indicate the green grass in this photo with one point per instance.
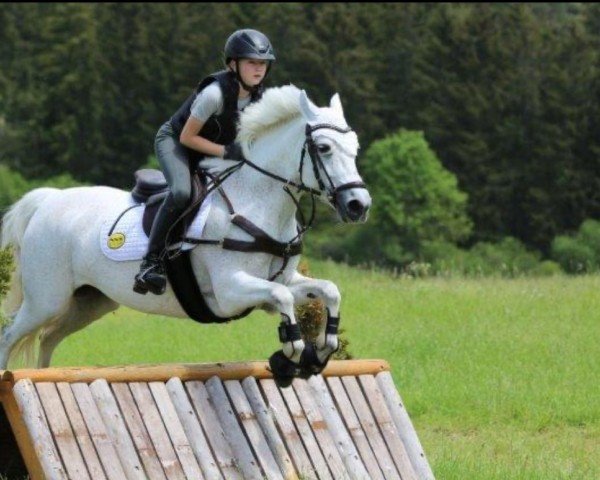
(500, 377)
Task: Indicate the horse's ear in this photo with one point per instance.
(336, 103)
(309, 109)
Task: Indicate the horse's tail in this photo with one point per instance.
(14, 224)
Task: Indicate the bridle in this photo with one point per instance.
(310, 146)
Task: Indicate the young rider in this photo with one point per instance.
(205, 125)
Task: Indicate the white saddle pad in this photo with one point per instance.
(126, 239)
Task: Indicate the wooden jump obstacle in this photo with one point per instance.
(213, 421)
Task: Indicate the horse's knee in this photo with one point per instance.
(331, 293)
(282, 298)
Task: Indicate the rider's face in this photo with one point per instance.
(252, 70)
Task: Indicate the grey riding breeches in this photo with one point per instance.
(173, 159)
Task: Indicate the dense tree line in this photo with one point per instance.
(506, 95)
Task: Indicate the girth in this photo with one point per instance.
(262, 241)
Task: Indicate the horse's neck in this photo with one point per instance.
(261, 198)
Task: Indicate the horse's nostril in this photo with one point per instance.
(355, 206)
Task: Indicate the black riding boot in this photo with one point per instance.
(152, 276)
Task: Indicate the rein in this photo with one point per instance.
(262, 241)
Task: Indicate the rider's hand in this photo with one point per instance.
(233, 151)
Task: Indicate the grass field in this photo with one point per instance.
(501, 377)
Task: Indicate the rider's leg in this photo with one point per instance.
(173, 158)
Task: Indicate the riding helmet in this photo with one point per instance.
(248, 43)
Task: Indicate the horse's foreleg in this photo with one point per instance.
(242, 291)
(306, 289)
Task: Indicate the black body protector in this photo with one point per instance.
(221, 129)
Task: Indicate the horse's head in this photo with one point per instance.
(333, 146)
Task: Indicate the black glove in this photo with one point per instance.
(233, 151)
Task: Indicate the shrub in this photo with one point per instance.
(573, 256)
(13, 185)
(548, 268)
(507, 258)
(6, 267)
(415, 200)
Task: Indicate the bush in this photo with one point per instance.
(579, 253)
(6, 267)
(13, 185)
(548, 268)
(415, 200)
(573, 256)
(507, 258)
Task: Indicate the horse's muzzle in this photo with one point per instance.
(353, 204)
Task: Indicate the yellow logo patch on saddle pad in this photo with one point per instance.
(122, 236)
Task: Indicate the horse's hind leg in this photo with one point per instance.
(88, 304)
(47, 295)
(30, 317)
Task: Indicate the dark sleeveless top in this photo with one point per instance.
(222, 128)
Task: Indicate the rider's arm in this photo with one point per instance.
(208, 102)
(190, 138)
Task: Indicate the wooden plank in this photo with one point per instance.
(387, 427)
(137, 430)
(193, 430)
(216, 436)
(156, 430)
(98, 432)
(81, 433)
(117, 430)
(256, 438)
(61, 431)
(342, 439)
(30, 408)
(355, 429)
(320, 429)
(175, 430)
(306, 433)
(22, 436)
(281, 417)
(248, 465)
(369, 426)
(192, 371)
(404, 426)
(269, 429)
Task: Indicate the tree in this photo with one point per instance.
(415, 200)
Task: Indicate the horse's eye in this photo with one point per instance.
(324, 148)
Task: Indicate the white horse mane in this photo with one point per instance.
(278, 105)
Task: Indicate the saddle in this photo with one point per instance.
(151, 188)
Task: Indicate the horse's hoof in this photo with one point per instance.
(283, 369)
(283, 382)
(309, 361)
